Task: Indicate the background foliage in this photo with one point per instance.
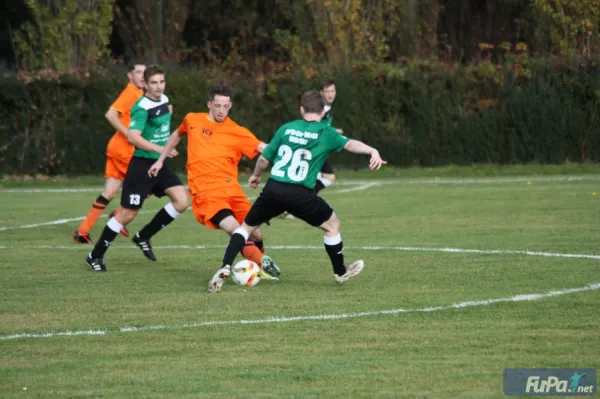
(422, 113)
(429, 81)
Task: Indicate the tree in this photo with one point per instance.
(152, 28)
(339, 31)
(566, 26)
(464, 25)
(64, 34)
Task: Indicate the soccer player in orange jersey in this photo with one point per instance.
(215, 146)
(118, 152)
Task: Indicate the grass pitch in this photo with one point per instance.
(430, 239)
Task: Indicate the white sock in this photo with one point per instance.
(332, 240)
(114, 225)
(171, 210)
(243, 232)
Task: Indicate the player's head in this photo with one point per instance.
(154, 77)
(135, 72)
(328, 90)
(219, 102)
(312, 103)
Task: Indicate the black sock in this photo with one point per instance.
(259, 244)
(236, 243)
(102, 200)
(160, 221)
(319, 186)
(336, 254)
(103, 242)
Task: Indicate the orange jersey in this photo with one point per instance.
(118, 146)
(214, 151)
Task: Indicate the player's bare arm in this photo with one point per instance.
(358, 147)
(261, 165)
(168, 151)
(261, 147)
(112, 116)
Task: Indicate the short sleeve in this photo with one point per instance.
(183, 129)
(335, 140)
(124, 102)
(248, 143)
(139, 116)
(271, 149)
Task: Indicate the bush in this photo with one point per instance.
(421, 113)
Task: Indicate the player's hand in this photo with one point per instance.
(254, 181)
(173, 153)
(155, 168)
(376, 161)
(340, 131)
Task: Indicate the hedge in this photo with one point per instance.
(422, 113)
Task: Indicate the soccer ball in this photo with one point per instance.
(246, 273)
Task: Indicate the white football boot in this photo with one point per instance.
(218, 279)
(352, 270)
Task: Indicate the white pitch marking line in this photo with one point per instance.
(63, 221)
(54, 222)
(365, 248)
(322, 317)
(399, 181)
(358, 188)
(52, 190)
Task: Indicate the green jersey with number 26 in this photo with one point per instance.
(299, 150)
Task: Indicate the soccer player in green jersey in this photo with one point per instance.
(298, 152)
(326, 176)
(149, 130)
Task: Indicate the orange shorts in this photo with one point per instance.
(207, 205)
(116, 167)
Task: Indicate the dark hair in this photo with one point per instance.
(312, 102)
(219, 90)
(326, 83)
(133, 62)
(152, 70)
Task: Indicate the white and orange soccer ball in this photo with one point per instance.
(246, 273)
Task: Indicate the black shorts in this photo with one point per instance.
(138, 185)
(300, 201)
(327, 167)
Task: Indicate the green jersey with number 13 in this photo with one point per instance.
(299, 150)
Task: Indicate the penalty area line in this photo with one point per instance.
(321, 317)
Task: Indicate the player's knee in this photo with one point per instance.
(111, 188)
(110, 193)
(332, 226)
(335, 225)
(126, 216)
(180, 204)
(256, 235)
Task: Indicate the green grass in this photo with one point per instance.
(451, 353)
(476, 170)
